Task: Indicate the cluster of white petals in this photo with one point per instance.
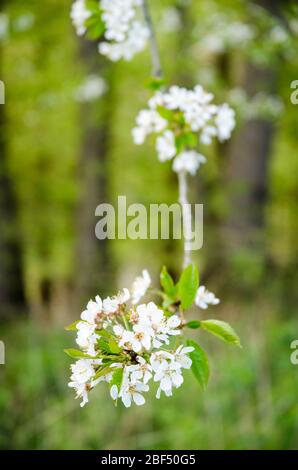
(140, 286)
(164, 367)
(125, 34)
(204, 298)
(188, 161)
(79, 15)
(187, 112)
(139, 336)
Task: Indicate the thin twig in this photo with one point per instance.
(156, 62)
(186, 215)
(182, 178)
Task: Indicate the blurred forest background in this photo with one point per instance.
(66, 146)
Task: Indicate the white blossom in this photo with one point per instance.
(165, 146)
(86, 337)
(148, 121)
(94, 308)
(130, 391)
(190, 112)
(141, 371)
(160, 359)
(188, 161)
(205, 298)
(112, 304)
(125, 35)
(79, 14)
(169, 377)
(182, 358)
(135, 335)
(140, 286)
(225, 122)
(81, 378)
(135, 340)
(82, 370)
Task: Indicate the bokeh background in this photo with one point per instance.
(65, 147)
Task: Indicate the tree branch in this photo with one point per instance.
(156, 62)
(186, 216)
(182, 177)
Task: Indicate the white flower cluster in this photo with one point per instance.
(188, 161)
(179, 112)
(204, 298)
(125, 35)
(136, 338)
(164, 367)
(79, 15)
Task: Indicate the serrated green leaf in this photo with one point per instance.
(73, 326)
(194, 324)
(167, 283)
(200, 363)
(222, 330)
(188, 286)
(77, 354)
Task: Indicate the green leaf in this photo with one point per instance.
(194, 324)
(101, 372)
(77, 354)
(179, 142)
(166, 113)
(117, 377)
(103, 333)
(167, 283)
(222, 330)
(155, 84)
(188, 286)
(108, 345)
(200, 363)
(104, 345)
(73, 326)
(94, 24)
(191, 139)
(93, 6)
(95, 30)
(114, 348)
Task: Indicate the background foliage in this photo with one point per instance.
(61, 155)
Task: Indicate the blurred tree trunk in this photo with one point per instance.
(248, 159)
(93, 271)
(11, 282)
